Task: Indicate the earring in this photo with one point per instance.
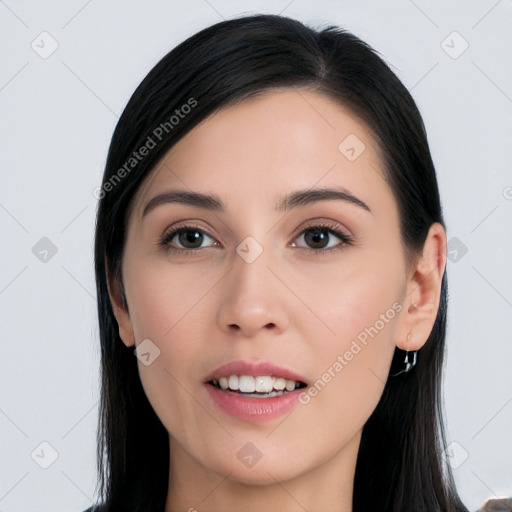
(408, 365)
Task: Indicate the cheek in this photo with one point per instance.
(163, 309)
(163, 296)
(358, 308)
(349, 296)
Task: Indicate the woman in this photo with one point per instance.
(270, 245)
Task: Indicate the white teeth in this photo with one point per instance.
(260, 384)
(290, 385)
(246, 384)
(264, 384)
(233, 382)
(279, 384)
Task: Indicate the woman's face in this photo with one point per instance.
(254, 283)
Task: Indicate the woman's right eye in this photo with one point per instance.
(189, 237)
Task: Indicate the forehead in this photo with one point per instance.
(282, 139)
(281, 121)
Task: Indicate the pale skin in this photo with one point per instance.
(291, 305)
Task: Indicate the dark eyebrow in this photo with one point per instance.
(304, 197)
(198, 199)
(293, 200)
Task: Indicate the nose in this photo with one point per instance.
(254, 299)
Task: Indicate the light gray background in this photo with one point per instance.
(57, 117)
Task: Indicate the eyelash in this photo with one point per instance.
(330, 228)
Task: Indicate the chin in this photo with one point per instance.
(261, 477)
(261, 473)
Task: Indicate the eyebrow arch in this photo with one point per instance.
(304, 197)
(293, 200)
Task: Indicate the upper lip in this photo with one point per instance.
(255, 369)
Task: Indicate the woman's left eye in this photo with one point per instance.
(318, 236)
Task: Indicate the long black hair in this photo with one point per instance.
(400, 466)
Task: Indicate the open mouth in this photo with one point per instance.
(263, 386)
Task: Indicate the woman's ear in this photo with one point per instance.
(120, 306)
(423, 291)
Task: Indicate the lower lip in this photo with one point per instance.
(253, 409)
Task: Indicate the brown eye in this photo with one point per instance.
(185, 237)
(194, 238)
(318, 238)
(324, 238)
